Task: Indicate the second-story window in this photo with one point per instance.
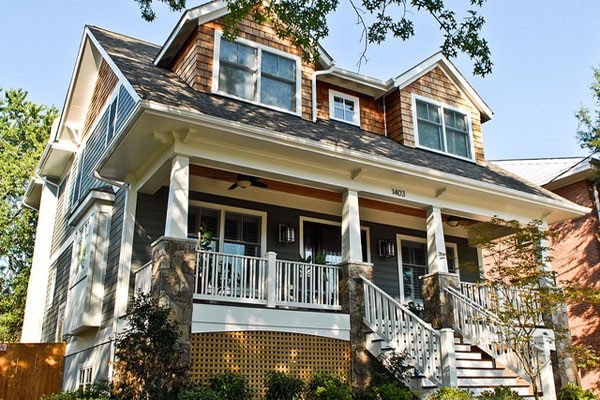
(443, 128)
(344, 107)
(258, 74)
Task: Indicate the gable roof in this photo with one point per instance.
(154, 84)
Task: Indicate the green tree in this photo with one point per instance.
(149, 360)
(304, 23)
(588, 131)
(24, 131)
(523, 294)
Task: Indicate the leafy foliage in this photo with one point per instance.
(198, 393)
(150, 364)
(588, 131)
(522, 287)
(574, 392)
(305, 23)
(24, 131)
(451, 393)
(229, 385)
(500, 393)
(328, 387)
(283, 387)
(398, 366)
(99, 391)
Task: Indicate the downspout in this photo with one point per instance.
(597, 199)
(314, 88)
(384, 117)
(120, 185)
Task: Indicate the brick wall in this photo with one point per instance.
(577, 257)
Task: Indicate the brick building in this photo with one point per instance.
(577, 247)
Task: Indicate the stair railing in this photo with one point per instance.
(403, 331)
(482, 328)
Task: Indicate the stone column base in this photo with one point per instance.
(437, 309)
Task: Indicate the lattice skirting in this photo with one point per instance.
(254, 354)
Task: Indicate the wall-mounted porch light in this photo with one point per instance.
(387, 248)
(287, 233)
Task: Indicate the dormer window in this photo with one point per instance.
(343, 107)
(442, 128)
(258, 74)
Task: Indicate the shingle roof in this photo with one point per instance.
(153, 83)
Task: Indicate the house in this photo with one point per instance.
(370, 181)
(576, 249)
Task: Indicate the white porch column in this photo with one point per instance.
(177, 209)
(38, 280)
(436, 246)
(351, 246)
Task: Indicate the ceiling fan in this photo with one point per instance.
(245, 181)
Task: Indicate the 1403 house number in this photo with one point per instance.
(398, 193)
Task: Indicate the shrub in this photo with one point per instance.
(500, 393)
(397, 365)
(99, 391)
(283, 387)
(450, 393)
(574, 392)
(198, 393)
(328, 387)
(230, 386)
(149, 363)
(392, 391)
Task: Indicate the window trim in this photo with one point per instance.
(60, 322)
(345, 96)
(236, 210)
(260, 48)
(88, 372)
(333, 223)
(399, 238)
(442, 106)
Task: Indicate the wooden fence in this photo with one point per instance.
(29, 371)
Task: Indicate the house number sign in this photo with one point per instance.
(398, 193)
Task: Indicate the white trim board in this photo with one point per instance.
(222, 318)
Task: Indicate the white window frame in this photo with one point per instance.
(442, 106)
(345, 96)
(77, 274)
(88, 376)
(416, 239)
(51, 287)
(236, 210)
(60, 322)
(260, 48)
(332, 223)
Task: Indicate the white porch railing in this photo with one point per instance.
(482, 328)
(266, 281)
(403, 331)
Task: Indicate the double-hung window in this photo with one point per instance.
(442, 128)
(258, 74)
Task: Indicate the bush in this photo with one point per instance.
(328, 387)
(500, 393)
(230, 386)
(99, 391)
(392, 391)
(449, 393)
(574, 392)
(283, 387)
(198, 393)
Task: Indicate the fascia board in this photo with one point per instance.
(361, 158)
(438, 59)
(364, 80)
(201, 15)
(122, 79)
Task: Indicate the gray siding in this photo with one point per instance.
(124, 107)
(62, 265)
(61, 227)
(151, 211)
(114, 253)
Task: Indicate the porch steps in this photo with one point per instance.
(476, 371)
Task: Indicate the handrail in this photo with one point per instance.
(482, 328)
(403, 331)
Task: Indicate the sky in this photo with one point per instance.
(543, 53)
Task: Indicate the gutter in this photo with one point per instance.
(121, 185)
(314, 88)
